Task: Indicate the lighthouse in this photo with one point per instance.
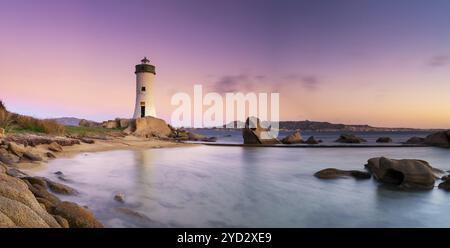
(145, 102)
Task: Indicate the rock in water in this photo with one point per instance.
(440, 139)
(350, 138)
(311, 141)
(384, 140)
(77, 216)
(294, 138)
(445, 185)
(253, 133)
(119, 198)
(415, 141)
(152, 127)
(332, 173)
(404, 173)
(60, 188)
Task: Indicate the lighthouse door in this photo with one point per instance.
(142, 109)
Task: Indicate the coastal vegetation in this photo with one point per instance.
(15, 123)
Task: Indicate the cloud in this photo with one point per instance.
(437, 61)
(233, 83)
(307, 82)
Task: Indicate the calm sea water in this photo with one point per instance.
(204, 186)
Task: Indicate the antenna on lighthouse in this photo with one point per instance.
(145, 60)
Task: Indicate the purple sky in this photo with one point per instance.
(385, 63)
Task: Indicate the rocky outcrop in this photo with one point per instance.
(440, 139)
(415, 141)
(384, 140)
(55, 147)
(294, 138)
(124, 123)
(19, 207)
(53, 186)
(445, 185)
(77, 216)
(152, 127)
(34, 140)
(253, 133)
(311, 141)
(31, 156)
(86, 123)
(2, 132)
(404, 173)
(332, 173)
(111, 124)
(350, 138)
(8, 158)
(16, 149)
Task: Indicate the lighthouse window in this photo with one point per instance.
(143, 88)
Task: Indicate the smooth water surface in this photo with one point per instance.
(203, 186)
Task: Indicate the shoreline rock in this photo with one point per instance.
(333, 173)
(254, 134)
(403, 173)
(350, 138)
(294, 138)
(384, 140)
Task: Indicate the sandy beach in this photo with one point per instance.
(117, 143)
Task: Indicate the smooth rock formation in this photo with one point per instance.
(77, 216)
(16, 149)
(332, 173)
(152, 127)
(20, 206)
(50, 155)
(7, 158)
(124, 123)
(404, 173)
(111, 124)
(311, 141)
(31, 156)
(445, 185)
(55, 147)
(119, 198)
(415, 141)
(294, 138)
(350, 138)
(60, 188)
(384, 140)
(440, 139)
(253, 133)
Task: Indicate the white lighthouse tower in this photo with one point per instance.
(145, 102)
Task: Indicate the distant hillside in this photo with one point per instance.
(67, 121)
(328, 127)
